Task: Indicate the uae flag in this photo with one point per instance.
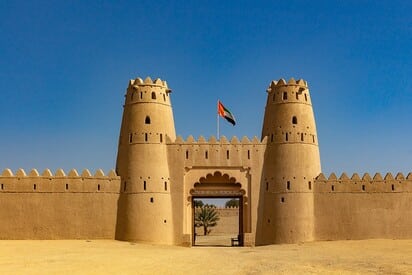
(225, 113)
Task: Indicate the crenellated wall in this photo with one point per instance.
(213, 152)
(283, 196)
(363, 207)
(58, 206)
(215, 165)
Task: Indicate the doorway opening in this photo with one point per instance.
(217, 221)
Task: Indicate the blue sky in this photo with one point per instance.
(65, 65)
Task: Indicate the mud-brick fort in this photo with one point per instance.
(284, 197)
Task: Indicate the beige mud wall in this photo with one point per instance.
(58, 207)
(228, 222)
(363, 208)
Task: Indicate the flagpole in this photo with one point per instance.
(217, 118)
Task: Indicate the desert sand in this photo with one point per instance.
(115, 257)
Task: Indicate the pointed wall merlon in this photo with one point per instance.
(21, 173)
(366, 184)
(344, 177)
(59, 183)
(399, 176)
(190, 140)
(219, 207)
(86, 174)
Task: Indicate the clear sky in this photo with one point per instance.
(65, 66)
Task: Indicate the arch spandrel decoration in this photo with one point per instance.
(217, 184)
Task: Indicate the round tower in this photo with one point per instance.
(291, 163)
(145, 209)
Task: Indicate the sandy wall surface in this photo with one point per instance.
(114, 257)
(357, 216)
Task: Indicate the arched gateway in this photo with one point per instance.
(210, 183)
(218, 185)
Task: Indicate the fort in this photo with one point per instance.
(283, 195)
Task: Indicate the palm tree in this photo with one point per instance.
(207, 217)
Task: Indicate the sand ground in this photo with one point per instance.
(114, 257)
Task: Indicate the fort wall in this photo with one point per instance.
(228, 222)
(58, 206)
(283, 196)
(363, 207)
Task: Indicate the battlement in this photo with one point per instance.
(59, 181)
(218, 207)
(147, 82)
(20, 173)
(212, 140)
(366, 183)
(282, 82)
(217, 153)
